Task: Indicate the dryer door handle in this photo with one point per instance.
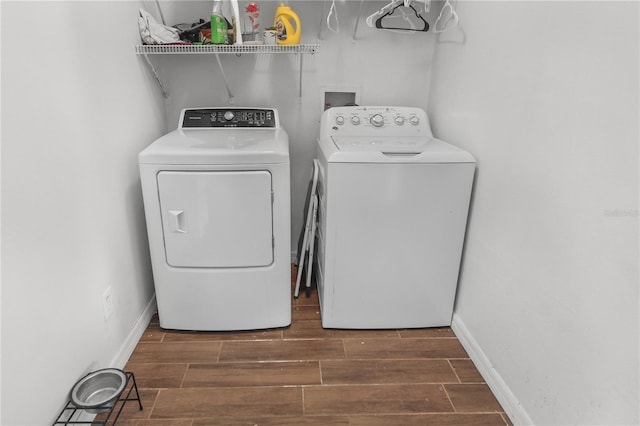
(176, 221)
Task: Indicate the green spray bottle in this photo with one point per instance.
(218, 24)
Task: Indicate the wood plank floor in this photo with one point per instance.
(306, 375)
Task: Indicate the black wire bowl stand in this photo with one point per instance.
(69, 411)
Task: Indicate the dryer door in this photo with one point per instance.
(216, 219)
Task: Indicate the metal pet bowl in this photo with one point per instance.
(98, 391)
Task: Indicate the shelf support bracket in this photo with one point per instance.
(217, 50)
(155, 75)
(300, 77)
(224, 76)
(355, 28)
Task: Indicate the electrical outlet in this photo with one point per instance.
(107, 303)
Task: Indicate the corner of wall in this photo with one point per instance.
(517, 414)
(128, 346)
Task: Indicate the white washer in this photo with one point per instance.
(216, 197)
(392, 218)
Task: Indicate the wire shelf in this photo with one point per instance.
(190, 49)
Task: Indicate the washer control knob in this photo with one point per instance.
(414, 120)
(377, 120)
(228, 115)
(399, 120)
(355, 120)
(339, 120)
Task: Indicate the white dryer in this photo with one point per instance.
(217, 205)
(393, 204)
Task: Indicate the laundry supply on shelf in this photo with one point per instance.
(218, 24)
(235, 24)
(190, 32)
(287, 23)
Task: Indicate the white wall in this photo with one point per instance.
(385, 67)
(545, 95)
(77, 107)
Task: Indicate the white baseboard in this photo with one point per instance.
(498, 386)
(127, 348)
(121, 358)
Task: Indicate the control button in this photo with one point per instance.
(228, 115)
(414, 120)
(399, 120)
(377, 120)
(339, 120)
(355, 120)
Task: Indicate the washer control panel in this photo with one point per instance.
(376, 120)
(228, 117)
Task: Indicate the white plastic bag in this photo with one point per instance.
(152, 32)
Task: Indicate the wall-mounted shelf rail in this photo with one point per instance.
(216, 49)
(191, 49)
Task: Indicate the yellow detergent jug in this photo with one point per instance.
(288, 25)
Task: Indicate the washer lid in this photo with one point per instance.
(412, 149)
(219, 146)
(407, 144)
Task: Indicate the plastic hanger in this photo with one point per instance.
(379, 23)
(334, 13)
(390, 7)
(452, 16)
(383, 11)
